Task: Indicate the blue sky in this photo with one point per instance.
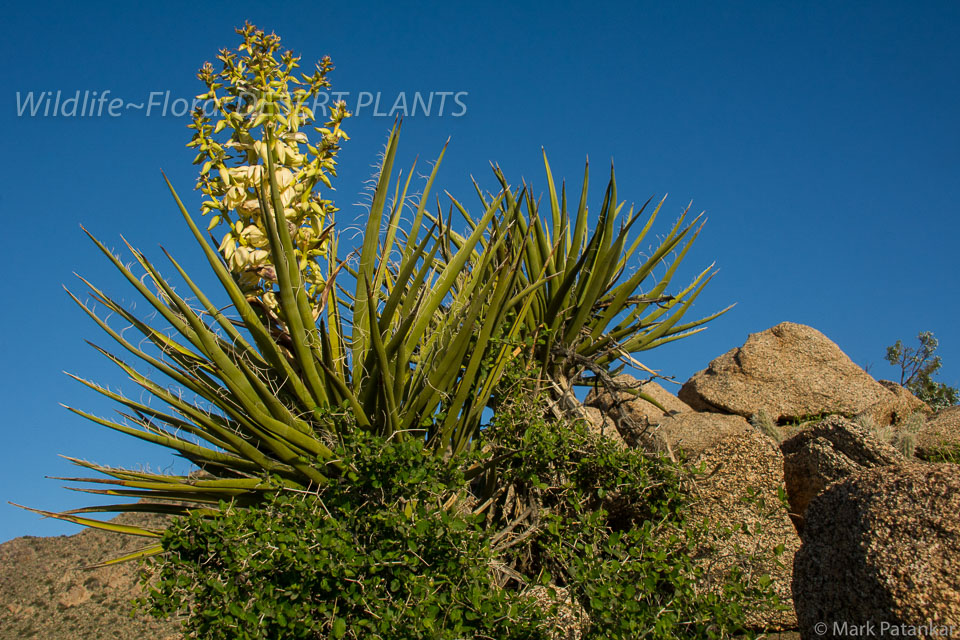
(820, 138)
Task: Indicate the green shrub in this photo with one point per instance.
(612, 530)
(945, 454)
(419, 547)
(375, 558)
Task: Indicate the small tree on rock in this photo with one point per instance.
(917, 368)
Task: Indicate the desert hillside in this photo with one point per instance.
(46, 593)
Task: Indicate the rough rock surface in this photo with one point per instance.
(46, 592)
(790, 371)
(896, 407)
(737, 458)
(634, 416)
(825, 453)
(694, 433)
(940, 433)
(882, 546)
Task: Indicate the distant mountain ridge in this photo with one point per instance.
(46, 593)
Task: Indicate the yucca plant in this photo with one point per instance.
(596, 308)
(408, 336)
(401, 353)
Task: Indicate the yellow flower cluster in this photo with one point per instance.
(254, 93)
